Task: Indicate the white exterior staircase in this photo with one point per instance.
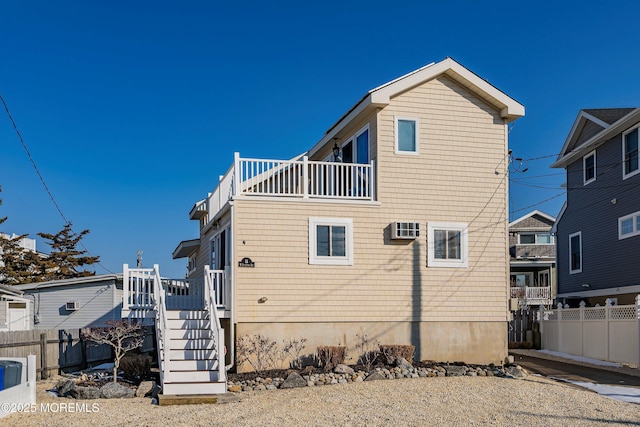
(190, 340)
(193, 362)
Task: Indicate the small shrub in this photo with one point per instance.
(293, 348)
(136, 366)
(331, 356)
(392, 352)
(368, 350)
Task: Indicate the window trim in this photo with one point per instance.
(315, 259)
(535, 238)
(397, 134)
(624, 152)
(635, 219)
(586, 181)
(571, 236)
(463, 228)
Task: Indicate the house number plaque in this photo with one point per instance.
(246, 262)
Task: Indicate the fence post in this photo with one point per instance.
(44, 373)
(607, 308)
(582, 306)
(559, 327)
(638, 328)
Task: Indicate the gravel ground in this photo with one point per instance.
(455, 401)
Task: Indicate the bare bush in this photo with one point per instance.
(136, 366)
(331, 356)
(293, 348)
(122, 335)
(367, 349)
(393, 352)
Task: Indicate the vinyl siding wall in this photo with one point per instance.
(99, 302)
(453, 179)
(607, 262)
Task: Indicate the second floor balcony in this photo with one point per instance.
(298, 178)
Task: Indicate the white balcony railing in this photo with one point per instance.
(294, 178)
(528, 295)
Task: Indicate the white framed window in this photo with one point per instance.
(191, 266)
(535, 239)
(629, 225)
(330, 241)
(447, 244)
(589, 168)
(630, 153)
(407, 131)
(575, 253)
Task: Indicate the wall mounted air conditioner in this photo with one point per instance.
(73, 305)
(405, 230)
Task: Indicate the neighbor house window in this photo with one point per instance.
(575, 253)
(191, 266)
(447, 244)
(630, 153)
(406, 135)
(331, 241)
(629, 225)
(589, 168)
(535, 238)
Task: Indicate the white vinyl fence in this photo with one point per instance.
(610, 333)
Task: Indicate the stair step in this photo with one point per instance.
(194, 388)
(188, 323)
(187, 314)
(191, 344)
(191, 377)
(193, 365)
(189, 334)
(192, 354)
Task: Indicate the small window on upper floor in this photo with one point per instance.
(535, 239)
(629, 225)
(630, 153)
(589, 168)
(407, 135)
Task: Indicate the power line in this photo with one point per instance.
(44, 184)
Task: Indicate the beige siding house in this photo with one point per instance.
(393, 225)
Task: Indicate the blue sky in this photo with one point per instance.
(132, 110)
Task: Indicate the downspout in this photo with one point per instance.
(232, 320)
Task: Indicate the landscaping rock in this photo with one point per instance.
(147, 389)
(455, 371)
(82, 393)
(115, 391)
(235, 388)
(294, 380)
(343, 369)
(402, 363)
(64, 387)
(515, 372)
(375, 376)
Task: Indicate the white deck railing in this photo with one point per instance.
(293, 178)
(532, 295)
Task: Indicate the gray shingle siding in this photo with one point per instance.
(606, 261)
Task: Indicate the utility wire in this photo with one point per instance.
(44, 184)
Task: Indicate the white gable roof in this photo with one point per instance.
(380, 96)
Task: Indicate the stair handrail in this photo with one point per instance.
(214, 321)
(160, 306)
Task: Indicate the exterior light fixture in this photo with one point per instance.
(336, 150)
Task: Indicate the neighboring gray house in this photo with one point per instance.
(532, 260)
(598, 228)
(16, 310)
(75, 303)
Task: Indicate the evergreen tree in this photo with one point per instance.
(17, 264)
(65, 259)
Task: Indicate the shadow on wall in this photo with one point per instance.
(416, 303)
